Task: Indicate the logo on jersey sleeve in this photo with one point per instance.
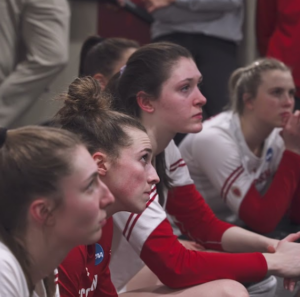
(269, 154)
(99, 255)
(237, 192)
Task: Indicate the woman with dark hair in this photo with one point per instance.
(101, 57)
(47, 206)
(159, 86)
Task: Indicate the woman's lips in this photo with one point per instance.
(198, 115)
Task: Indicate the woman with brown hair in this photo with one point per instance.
(160, 87)
(51, 200)
(122, 151)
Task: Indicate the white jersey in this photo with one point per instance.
(12, 278)
(149, 236)
(222, 166)
(132, 230)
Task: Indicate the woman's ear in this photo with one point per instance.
(248, 101)
(145, 101)
(102, 162)
(101, 79)
(41, 211)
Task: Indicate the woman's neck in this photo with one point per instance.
(159, 137)
(255, 133)
(45, 254)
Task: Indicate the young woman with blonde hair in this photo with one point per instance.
(246, 160)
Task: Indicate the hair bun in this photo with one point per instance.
(86, 96)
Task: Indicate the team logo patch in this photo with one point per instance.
(236, 191)
(99, 254)
(269, 154)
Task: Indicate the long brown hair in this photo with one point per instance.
(32, 162)
(146, 70)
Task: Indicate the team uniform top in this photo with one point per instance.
(12, 279)
(148, 238)
(225, 171)
(85, 271)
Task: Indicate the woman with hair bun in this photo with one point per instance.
(246, 160)
(122, 151)
(47, 206)
(160, 87)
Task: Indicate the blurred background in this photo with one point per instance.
(84, 22)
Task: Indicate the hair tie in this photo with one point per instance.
(122, 69)
(3, 132)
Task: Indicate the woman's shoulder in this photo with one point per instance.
(12, 279)
(6, 257)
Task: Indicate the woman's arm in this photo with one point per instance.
(238, 240)
(215, 158)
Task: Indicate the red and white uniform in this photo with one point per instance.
(225, 171)
(12, 278)
(149, 238)
(85, 271)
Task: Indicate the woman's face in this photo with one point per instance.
(179, 106)
(130, 177)
(82, 214)
(274, 101)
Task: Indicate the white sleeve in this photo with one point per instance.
(136, 228)
(130, 233)
(217, 157)
(12, 280)
(44, 29)
(210, 5)
(176, 166)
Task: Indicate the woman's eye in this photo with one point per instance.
(185, 88)
(145, 158)
(199, 85)
(92, 184)
(292, 93)
(277, 92)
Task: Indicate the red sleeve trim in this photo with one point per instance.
(137, 217)
(177, 164)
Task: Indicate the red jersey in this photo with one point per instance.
(85, 271)
(278, 29)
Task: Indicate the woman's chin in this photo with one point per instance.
(194, 129)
